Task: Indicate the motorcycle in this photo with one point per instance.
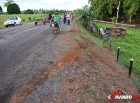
(55, 27)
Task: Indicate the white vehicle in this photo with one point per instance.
(13, 21)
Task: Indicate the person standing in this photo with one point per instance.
(64, 15)
(50, 19)
(68, 18)
(72, 16)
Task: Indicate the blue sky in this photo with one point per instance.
(47, 4)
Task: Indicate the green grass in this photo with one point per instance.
(103, 25)
(94, 92)
(25, 18)
(129, 47)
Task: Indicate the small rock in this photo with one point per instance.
(76, 87)
(51, 62)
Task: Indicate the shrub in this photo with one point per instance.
(23, 20)
(29, 18)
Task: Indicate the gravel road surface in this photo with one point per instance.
(25, 51)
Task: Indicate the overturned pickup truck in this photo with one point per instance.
(115, 31)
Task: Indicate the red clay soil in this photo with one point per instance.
(38, 81)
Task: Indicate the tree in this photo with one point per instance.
(1, 10)
(131, 7)
(85, 15)
(7, 3)
(13, 9)
(29, 11)
(137, 16)
(104, 9)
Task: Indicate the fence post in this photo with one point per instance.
(110, 42)
(99, 31)
(130, 68)
(91, 28)
(118, 53)
(97, 28)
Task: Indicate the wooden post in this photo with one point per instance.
(130, 68)
(99, 31)
(117, 12)
(118, 53)
(110, 42)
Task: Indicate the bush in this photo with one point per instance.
(29, 18)
(29, 11)
(23, 20)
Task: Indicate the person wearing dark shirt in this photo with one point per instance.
(50, 19)
(65, 14)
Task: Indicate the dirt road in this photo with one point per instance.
(25, 51)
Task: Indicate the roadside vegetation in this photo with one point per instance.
(129, 47)
(130, 44)
(128, 10)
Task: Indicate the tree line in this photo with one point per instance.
(13, 8)
(107, 10)
(40, 11)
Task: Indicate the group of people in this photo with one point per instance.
(67, 17)
(56, 18)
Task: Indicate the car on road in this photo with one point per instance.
(13, 21)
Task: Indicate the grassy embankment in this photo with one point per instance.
(129, 47)
(25, 18)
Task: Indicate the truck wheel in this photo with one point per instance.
(14, 24)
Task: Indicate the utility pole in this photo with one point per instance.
(117, 13)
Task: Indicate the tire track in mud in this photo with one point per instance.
(31, 86)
